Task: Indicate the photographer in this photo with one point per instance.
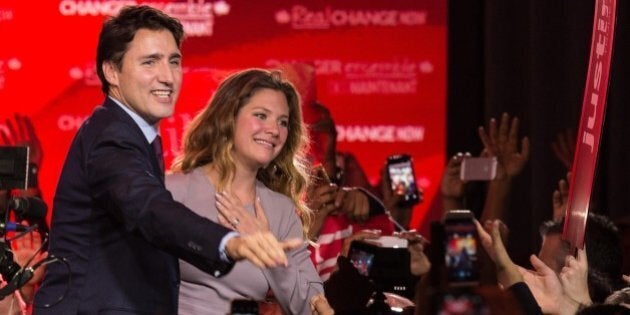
(29, 248)
(341, 197)
(349, 292)
(26, 252)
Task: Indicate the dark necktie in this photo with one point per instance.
(157, 148)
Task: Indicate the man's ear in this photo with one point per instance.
(111, 73)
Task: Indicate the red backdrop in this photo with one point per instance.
(380, 68)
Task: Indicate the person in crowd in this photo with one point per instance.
(349, 292)
(341, 197)
(603, 248)
(347, 206)
(621, 296)
(27, 250)
(508, 274)
(604, 309)
(500, 141)
(565, 292)
(243, 165)
(116, 231)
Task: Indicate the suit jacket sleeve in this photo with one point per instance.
(123, 180)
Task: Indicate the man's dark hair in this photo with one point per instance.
(604, 309)
(119, 31)
(619, 296)
(604, 252)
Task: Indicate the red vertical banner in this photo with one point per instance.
(591, 122)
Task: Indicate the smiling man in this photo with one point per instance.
(115, 227)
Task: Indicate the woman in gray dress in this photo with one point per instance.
(243, 165)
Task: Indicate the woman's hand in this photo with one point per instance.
(232, 214)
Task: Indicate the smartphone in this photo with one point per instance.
(402, 179)
(244, 307)
(478, 169)
(461, 248)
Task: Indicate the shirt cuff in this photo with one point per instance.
(224, 240)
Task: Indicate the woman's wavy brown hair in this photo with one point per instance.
(210, 137)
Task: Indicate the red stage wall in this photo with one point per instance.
(380, 69)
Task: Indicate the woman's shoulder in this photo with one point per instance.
(180, 183)
(267, 194)
(274, 203)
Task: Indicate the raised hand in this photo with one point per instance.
(20, 132)
(491, 240)
(392, 202)
(452, 186)
(560, 197)
(232, 214)
(574, 279)
(502, 142)
(563, 147)
(26, 250)
(545, 286)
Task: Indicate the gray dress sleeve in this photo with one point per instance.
(295, 285)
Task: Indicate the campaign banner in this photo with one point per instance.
(591, 122)
(380, 69)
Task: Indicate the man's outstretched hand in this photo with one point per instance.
(261, 248)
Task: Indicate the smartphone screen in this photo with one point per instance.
(402, 179)
(461, 251)
(361, 260)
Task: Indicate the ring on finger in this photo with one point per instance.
(235, 221)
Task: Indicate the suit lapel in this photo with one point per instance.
(137, 137)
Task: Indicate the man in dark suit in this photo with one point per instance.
(115, 228)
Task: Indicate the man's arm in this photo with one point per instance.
(122, 181)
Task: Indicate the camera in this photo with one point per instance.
(243, 307)
(402, 179)
(461, 248)
(13, 167)
(387, 267)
